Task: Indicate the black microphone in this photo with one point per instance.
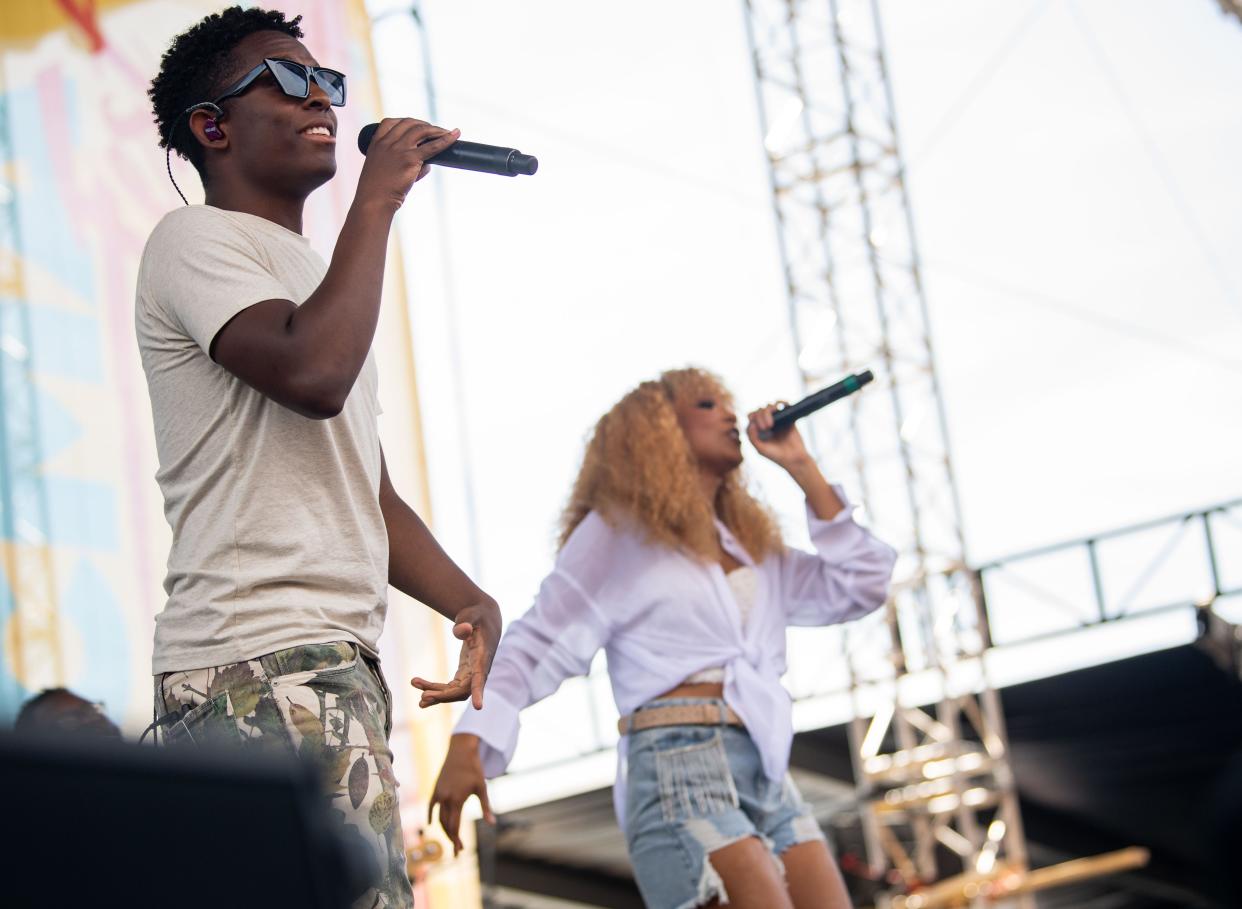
(786, 416)
(486, 159)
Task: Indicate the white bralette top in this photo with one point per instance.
(744, 582)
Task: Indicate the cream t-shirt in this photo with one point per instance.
(277, 535)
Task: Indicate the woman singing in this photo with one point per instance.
(669, 564)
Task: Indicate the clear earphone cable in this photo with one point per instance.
(168, 144)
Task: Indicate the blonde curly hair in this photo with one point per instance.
(638, 464)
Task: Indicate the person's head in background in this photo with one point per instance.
(60, 710)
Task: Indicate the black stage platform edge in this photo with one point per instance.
(92, 822)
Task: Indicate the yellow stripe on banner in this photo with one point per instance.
(31, 635)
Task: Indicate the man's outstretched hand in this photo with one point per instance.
(478, 629)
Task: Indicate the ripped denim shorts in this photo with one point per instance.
(692, 790)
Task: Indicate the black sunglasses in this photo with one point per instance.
(294, 80)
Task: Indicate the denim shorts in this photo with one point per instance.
(692, 790)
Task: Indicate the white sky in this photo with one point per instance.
(1072, 170)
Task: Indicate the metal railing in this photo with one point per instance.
(1192, 559)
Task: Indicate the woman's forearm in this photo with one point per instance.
(819, 495)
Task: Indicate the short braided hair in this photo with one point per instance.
(196, 66)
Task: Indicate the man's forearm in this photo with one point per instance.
(333, 329)
(307, 357)
(418, 566)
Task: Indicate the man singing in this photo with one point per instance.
(286, 529)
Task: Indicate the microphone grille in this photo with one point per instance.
(365, 135)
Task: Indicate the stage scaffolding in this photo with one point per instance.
(29, 618)
(935, 792)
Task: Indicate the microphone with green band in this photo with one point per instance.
(786, 416)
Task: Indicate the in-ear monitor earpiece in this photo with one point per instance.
(210, 130)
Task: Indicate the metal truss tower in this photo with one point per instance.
(936, 796)
(31, 636)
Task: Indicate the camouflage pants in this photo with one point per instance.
(328, 704)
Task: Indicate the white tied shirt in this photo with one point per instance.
(743, 582)
(662, 615)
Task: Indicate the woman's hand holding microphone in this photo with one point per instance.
(787, 449)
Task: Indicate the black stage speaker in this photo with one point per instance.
(92, 822)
